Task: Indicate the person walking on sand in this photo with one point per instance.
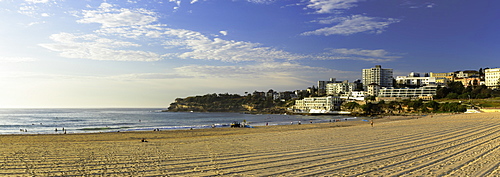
(371, 123)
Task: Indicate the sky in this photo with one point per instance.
(146, 53)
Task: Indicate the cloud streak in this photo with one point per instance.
(16, 59)
(331, 6)
(142, 25)
(268, 70)
(110, 17)
(345, 25)
(97, 48)
(202, 47)
(375, 56)
(139, 24)
(353, 24)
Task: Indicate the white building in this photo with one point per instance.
(492, 77)
(466, 73)
(340, 88)
(377, 75)
(372, 89)
(329, 103)
(416, 81)
(354, 95)
(421, 92)
(322, 85)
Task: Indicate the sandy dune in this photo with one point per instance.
(441, 145)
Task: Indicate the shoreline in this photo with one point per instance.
(437, 145)
(225, 129)
(177, 133)
(303, 126)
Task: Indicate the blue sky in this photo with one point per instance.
(138, 53)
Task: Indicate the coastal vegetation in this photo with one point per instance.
(230, 103)
(403, 107)
(453, 98)
(456, 90)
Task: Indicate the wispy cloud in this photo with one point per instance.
(110, 17)
(267, 70)
(141, 24)
(16, 59)
(131, 25)
(261, 1)
(331, 6)
(97, 48)
(353, 24)
(37, 1)
(202, 47)
(149, 76)
(416, 5)
(345, 25)
(378, 55)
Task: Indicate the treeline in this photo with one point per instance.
(229, 103)
(456, 90)
(403, 107)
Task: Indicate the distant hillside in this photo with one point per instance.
(228, 103)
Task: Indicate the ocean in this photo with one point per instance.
(57, 121)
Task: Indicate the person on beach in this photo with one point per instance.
(371, 123)
(144, 140)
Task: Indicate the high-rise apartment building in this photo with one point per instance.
(377, 75)
(492, 77)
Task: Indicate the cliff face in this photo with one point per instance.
(226, 103)
(204, 107)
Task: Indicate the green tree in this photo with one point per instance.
(432, 105)
(452, 95)
(441, 92)
(351, 106)
(370, 108)
(456, 87)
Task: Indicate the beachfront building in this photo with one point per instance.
(469, 81)
(323, 84)
(372, 89)
(415, 80)
(354, 96)
(425, 92)
(328, 103)
(340, 88)
(442, 78)
(492, 77)
(377, 75)
(467, 73)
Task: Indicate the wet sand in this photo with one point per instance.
(441, 145)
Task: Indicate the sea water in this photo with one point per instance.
(54, 121)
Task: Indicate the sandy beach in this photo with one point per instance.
(438, 145)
